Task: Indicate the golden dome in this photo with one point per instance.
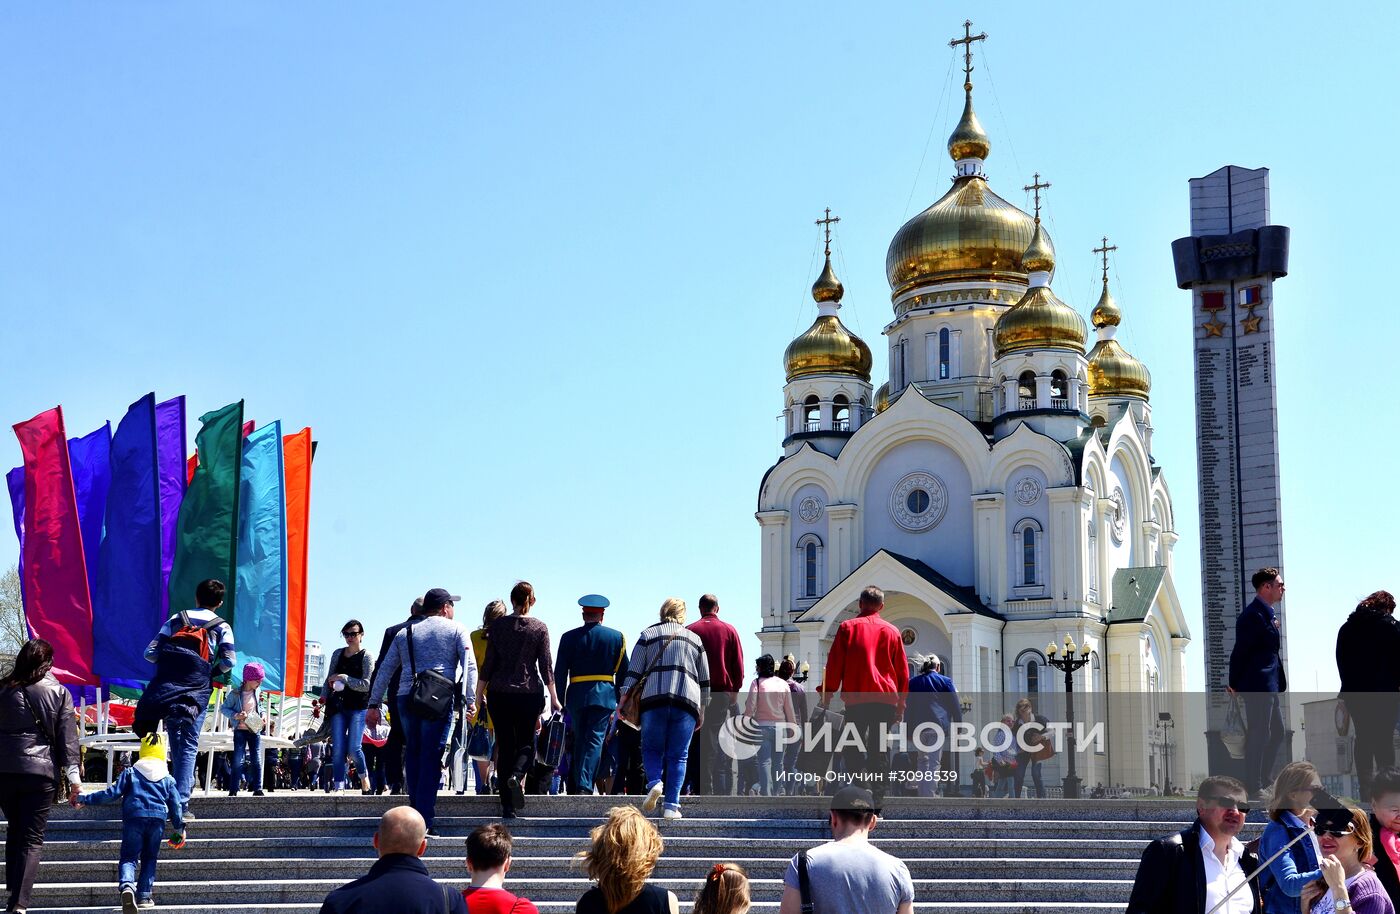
(882, 398)
(828, 348)
(968, 140)
(970, 233)
(1040, 321)
(1113, 372)
(1106, 313)
(1040, 253)
(827, 287)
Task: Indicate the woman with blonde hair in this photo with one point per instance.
(1348, 885)
(726, 891)
(494, 610)
(621, 855)
(1283, 882)
(670, 677)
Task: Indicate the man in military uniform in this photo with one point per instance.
(589, 667)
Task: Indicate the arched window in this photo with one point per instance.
(1032, 678)
(1025, 390)
(1059, 390)
(945, 363)
(809, 554)
(841, 413)
(1029, 549)
(1093, 556)
(810, 569)
(811, 414)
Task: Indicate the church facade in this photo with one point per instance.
(999, 487)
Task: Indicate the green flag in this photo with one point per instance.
(207, 532)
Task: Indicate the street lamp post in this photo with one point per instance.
(803, 672)
(1069, 663)
(1164, 720)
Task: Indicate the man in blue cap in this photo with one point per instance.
(589, 666)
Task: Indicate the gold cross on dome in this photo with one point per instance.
(1104, 251)
(826, 226)
(967, 40)
(1037, 186)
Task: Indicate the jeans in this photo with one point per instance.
(666, 736)
(25, 800)
(246, 742)
(183, 734)
(347, 730)
(770, 758)
(590, 726)
(1025, 763)
(140, 841)
(1263, 735)
(424, 740)
(515, 716)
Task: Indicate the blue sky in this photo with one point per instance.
(529, 270)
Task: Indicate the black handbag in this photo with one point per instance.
(433, 695)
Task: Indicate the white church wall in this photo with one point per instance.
(809, 524)
(1122, 515)
(947, 545)
(1028, 511)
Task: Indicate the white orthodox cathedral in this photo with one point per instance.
(999, 487)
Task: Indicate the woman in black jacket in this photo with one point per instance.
(1367, 646)
(38, 740)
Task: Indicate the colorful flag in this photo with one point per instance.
(128, 605)
(91, 460)
(260, 627)
(58, 604)
(208, 525)
(170, 470)
(296, 470)
(14, 480)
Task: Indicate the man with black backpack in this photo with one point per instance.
(192, 651)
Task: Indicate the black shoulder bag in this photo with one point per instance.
(433, 695)
(804, 883)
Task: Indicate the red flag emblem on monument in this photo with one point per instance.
(1212, 301)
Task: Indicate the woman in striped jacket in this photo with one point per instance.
(669, 666)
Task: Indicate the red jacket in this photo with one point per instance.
(723, 651)
(867, 659)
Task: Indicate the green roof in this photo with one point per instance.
(1134, 590)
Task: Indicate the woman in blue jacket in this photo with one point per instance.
(1284, 881)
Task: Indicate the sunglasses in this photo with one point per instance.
(1228, 803)
(351, 634)
(1333, 833)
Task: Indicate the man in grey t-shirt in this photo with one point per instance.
(849, 875)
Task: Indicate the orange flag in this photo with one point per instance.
(296, 469)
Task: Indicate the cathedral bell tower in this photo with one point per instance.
(1118, 383)
(1040, 366)
(828, 394)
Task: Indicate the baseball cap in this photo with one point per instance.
(854, 799)
(437, 598)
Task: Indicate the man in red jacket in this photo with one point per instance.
(868, 667)
(710, 769)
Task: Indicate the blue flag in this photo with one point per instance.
(260, 628)
(91, 459)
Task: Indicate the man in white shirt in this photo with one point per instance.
(1193, 871)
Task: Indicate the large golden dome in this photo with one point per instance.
(970, 233)
(827, 347)
(882, 398)
(1040, 320)
(1113, 372)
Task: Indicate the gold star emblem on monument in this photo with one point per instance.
(1251, 323)
(1213, 327)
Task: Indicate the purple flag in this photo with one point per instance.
(15, 480)
(91, 459)
(170, 467)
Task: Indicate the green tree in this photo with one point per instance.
(13, 631)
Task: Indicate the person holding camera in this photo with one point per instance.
(434, 655)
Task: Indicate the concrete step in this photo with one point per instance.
(567, 907)
(177, 868)
(245, 893)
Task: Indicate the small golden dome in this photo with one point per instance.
(882, 398)
(1040, 253)
(828, 348)
(969, 233)
(1040, 321)
(828, 287)
(1106, 313)
(1113, 372)
(969, 140)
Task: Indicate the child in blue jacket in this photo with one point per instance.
(148, 796)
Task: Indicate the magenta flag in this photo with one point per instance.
(57, 602)
(170, 469)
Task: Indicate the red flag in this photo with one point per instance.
(57, 603)
(296, 470)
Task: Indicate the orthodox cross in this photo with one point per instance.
(1037, 187)
(826, 226)
(967, 40)
(1104, 251)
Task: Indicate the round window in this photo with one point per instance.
(917, 501)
